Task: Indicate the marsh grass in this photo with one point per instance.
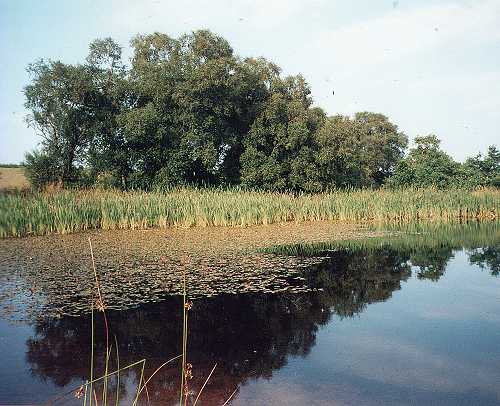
(412, 237)
(71, 211)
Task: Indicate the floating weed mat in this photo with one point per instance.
(43, 276)
(45, 289)
(70, 211)
(102, 387)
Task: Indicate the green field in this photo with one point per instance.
(71, 211)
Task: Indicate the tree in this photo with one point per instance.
(194, 103)
(41, 169)
(57, 100)
(359, 152)
(108, 151)
(426, 165)
(382, 146)
(74, 107)
(340, 163)
(479, 171)
(190, 111)
(280, 149)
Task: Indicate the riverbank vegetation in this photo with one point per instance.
(428, 246)
(189, 111)
(190, 134)
(413, 237)
(70, 211)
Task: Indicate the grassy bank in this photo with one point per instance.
(70, 211)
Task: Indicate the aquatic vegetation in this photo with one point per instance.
(340, 285)
(427, 246)
(70, 211)
(412, 237)
(138, 266)
(93, 386)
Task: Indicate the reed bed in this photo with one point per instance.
(71, 211)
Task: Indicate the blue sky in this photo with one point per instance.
(431, 66)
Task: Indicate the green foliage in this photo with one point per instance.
(41, 169)
(56, 99)
(280, 147)
(74, 108)
(426, 165)
(194, 104)
(107, 151)
(359, 152)
(479, 171)
(188, 111)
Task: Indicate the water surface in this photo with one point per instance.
(410, 319)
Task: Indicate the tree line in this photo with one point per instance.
(189, 111)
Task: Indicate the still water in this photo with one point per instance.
(411, 319)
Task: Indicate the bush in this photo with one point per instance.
(41, 169)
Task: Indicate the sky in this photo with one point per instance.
(430, 66)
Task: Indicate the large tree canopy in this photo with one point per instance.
(188, 110)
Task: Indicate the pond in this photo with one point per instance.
(286, 314)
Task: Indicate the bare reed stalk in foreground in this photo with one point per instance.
(187, 368)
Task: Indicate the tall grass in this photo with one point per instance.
(70, 211)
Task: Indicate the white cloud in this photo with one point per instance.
(430, 69)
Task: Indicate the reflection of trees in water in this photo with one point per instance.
(431, 261)
(352, 280)
(487, 257)
(248, 335)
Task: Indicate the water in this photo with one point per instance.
(407, 320)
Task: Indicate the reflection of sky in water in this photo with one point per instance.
(431, 342)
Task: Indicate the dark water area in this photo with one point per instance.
(413, 319)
